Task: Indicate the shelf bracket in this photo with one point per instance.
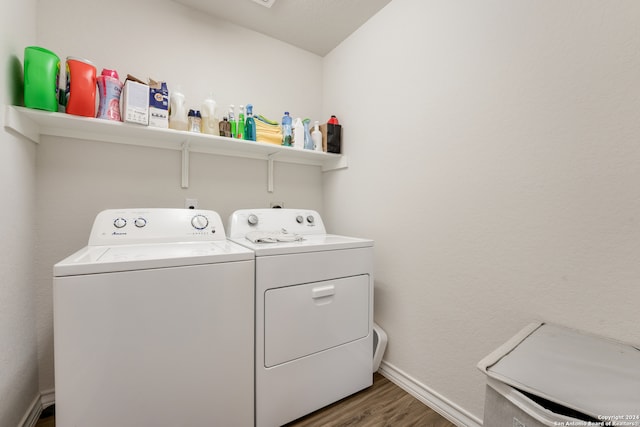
(185, 164)
(270, 172)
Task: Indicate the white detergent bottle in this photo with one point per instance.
(316, 137)
(177, 110)
(209, 121)
(298, 134)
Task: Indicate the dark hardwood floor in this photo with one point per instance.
(382, 405)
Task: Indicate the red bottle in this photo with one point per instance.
(81, 87)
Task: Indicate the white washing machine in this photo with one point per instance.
(314, 312)
(153, 324)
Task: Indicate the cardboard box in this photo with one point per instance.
(135, 101)
(158, 104)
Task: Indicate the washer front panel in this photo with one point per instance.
(162, 347)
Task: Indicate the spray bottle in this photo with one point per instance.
(250, 125)
(240, 125)
(232, 120)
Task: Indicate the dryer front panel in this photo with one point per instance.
(306, 319)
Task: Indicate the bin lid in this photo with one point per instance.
(593, 375)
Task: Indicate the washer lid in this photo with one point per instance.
(106, 259)
(310, 243)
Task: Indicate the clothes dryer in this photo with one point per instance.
(153, 324)
(314, 311)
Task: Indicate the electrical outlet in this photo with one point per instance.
(191, 204)
(276, 205)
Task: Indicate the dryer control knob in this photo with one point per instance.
(140, 222)
(253, 219)
(199, 222)
(310, 219)
(119, 222)
(299, 219)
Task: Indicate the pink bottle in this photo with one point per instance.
(109, 90)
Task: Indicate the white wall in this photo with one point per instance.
(18, 350)
(76, 179)
(494, 158)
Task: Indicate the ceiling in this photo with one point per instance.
(313, 25)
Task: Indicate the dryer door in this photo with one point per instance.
(305, 319)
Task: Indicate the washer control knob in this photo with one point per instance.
(299, 219)
(140, 222)
(199, 222)
(310, 219)
(253, 219)
(119, 222)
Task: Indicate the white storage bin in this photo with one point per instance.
(548, 375)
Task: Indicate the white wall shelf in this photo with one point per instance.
(33, 124)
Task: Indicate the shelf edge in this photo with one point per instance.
(337, 163)
(21, 124)
(33, 124)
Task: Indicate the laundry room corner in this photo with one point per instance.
(478, 181)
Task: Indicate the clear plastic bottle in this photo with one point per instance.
(195, 120)
(308, 143)
(240, 125)
(178, 112)
(250, 125)
(316, 137)
(286, 129)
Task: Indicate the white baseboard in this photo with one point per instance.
(40, 402)
(33, 413)
(429, 397)
(47, 398)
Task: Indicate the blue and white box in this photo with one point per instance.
(158, 104)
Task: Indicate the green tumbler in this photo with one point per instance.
(41, 72)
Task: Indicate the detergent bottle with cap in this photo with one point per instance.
(41, 74)
(209, 122)
(81, 87)
(177, 110)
